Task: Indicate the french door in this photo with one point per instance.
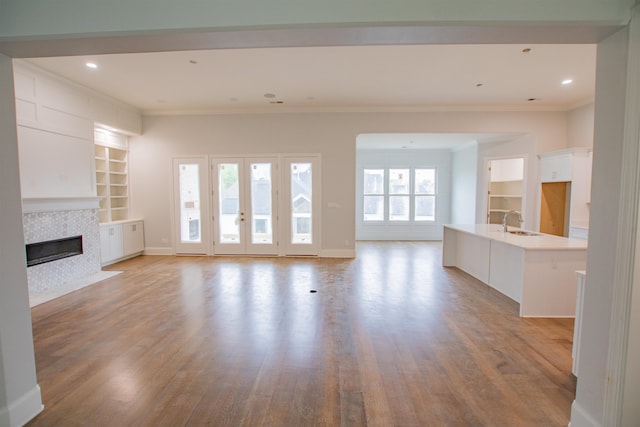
(302, 204)
(191, 207)
(245, 205)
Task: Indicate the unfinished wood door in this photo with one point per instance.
(553, 208)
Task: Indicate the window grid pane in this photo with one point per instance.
(425, 208)
(399, 181)
(425, 181)
(373, 181)
(373, 208)
(399, 208)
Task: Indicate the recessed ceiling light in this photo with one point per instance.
(479, 84)
(193, 61)
(269, 95)
(532, 99)
(526, 50)
(91, 65)
(276, 102)
(567, 81)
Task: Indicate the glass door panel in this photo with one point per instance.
(190, 203)
(190, 185)
(229, 214)
(261, 206)
(301, 203)
(303, 182)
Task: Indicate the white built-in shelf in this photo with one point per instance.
(111, 182)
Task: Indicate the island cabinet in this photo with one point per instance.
(535, 270)
(121, 240)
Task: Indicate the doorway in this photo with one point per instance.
(245, 205)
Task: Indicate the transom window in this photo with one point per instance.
(399, 194)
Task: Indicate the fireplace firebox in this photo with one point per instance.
(51, 250)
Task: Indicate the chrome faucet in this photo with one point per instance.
(506, 216)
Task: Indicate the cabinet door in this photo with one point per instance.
(133, 237)
(555, 168)
(105, 244)
(111, 243)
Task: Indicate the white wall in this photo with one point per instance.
(438, 159)
(464, 184)
(333, 135)
(580, 126)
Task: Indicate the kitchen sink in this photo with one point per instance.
(523, 233)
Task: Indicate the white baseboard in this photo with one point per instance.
(327, 253)
(21, 411)
(158, 251)
(338, 253)
(580, 418)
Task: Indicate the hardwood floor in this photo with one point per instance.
(390, 338)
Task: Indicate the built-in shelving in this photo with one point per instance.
(504, 196)
(112, 183)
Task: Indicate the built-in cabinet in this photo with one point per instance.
(121, 240)
(565, 179)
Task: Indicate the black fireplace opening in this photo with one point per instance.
(51, 250)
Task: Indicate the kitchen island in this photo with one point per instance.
(536, 270)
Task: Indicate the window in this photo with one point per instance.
(373, 203)
(409, 194)
(424, 195)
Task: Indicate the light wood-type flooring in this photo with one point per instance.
(390, 338)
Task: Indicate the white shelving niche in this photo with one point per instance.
(112, 176)
(506, 186)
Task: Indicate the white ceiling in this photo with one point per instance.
(346, 78)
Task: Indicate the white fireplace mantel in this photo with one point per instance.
(56, 204)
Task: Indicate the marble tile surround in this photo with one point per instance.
(42, 226)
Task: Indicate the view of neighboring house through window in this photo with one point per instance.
(301, 203)
(189, 203)
(410, 195)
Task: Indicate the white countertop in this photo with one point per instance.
(538, 242)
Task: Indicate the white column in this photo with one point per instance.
(20, 398)
(623, 370)
(588, 407)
